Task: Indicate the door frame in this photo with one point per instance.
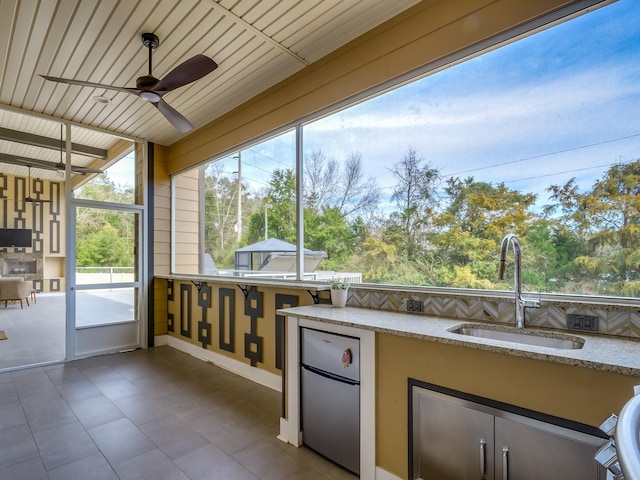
(141, 282)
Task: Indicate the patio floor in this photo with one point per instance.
(36, 334)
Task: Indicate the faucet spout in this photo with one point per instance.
(520, 303)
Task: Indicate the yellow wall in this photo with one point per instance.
(575, 393)
(427, 32)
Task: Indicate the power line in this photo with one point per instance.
(487, 167)
(267, 157)
(558, 173)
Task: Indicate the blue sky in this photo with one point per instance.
(559, 104)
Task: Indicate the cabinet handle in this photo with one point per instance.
(483, 469)
(505, 463)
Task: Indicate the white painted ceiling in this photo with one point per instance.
(256, 44)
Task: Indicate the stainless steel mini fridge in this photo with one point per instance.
(330, 396)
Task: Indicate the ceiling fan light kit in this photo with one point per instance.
(151, 89)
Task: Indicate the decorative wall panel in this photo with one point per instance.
(226, 319)
(170, 316)
(44, 219)
(282, 301)
(204, 302)
(253, 307)
(185, 310)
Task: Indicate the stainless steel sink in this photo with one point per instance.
(549, 340)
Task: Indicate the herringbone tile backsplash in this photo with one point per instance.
(619, 320)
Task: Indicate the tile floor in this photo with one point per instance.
(154, 414)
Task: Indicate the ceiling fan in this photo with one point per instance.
(56, 166)
(150, 89)
(60, 166)
(29, 198)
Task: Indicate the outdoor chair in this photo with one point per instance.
(15, 290)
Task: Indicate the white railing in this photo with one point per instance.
(318, 276)
(90, 275)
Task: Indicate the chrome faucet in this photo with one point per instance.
(521, 303)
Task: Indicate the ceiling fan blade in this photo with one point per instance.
(45, 165)
(188, 71)
(33, 163)
(90, 84)
(176, 119)
(83, 170)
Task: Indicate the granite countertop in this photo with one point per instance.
(601, 352)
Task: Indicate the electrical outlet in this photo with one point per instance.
(415, 306)
(587, 323)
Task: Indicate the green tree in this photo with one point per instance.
(104, 237)
(469, 230)
(104, 247)
(330, 233)
(415, 196)
(608, 218)
(280, 202)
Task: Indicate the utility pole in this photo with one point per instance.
(239, 222)
(266, 228)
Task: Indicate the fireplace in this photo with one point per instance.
(19, 266)
(25, 265)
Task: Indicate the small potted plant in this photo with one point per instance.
(339, 288)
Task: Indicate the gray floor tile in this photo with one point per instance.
(77, 391)
(173, 437)
(211, 463)
(48, 413)
(117, 388)
(120, 440)
(12, 415)
(141, 409)
(32, 469)
(98, 372)
(8, 394)
(64, 444)
(152, 464)
(63, 373)
(267, 462)
(93, 467)
(146, 414)
(96, 411)
(16, 445)
(226, 435)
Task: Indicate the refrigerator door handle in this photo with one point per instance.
(331, 376)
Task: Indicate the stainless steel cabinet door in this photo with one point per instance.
(455, 442)
(331, 418)
(535, 453)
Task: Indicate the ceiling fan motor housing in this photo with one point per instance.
(150, 40)
(146, 81)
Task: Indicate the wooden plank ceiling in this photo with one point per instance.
(256, 44)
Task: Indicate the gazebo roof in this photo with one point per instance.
(269, 245)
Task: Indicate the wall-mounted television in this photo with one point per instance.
(15, 237)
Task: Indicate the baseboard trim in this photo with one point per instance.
(160, 340)
(384, 475)
(254, 374)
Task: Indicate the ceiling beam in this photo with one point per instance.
(27, 162)
(47, 142)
